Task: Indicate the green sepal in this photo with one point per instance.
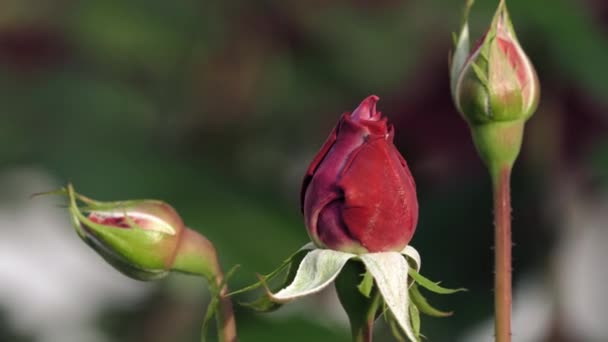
(396, 329)
(462, 48)
(423, 305)
(505, 108)
(481, 74)
(430, 285)
(415, 320)
(390, 272)
(366, 285)
(318, 269)
(91, 204)
(264, 303)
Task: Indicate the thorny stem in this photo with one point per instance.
(502, 253)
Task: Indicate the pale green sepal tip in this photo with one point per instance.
(463, 47)
(413, 255)
(459, 58)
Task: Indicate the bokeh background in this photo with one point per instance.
(217, 107)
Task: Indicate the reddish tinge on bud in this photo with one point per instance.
(358, 194)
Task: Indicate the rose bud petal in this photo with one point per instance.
(496, 82)
(143, 239)
(358, 194)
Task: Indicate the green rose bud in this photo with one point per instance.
(496, 82)
(143, 239)
(495, 88)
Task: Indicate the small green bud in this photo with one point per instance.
(494, 87)
(143, 239)
(496, 82)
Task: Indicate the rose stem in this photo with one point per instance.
(361, 310)
(502, 253)
(197, 255)
(226, 325)
(363, 332)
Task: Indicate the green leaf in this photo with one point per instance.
(390, 271)
(423, 305)
(430, 285)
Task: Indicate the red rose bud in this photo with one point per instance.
(144, 239)
(495, 88)
(358, 194)
(496, 81)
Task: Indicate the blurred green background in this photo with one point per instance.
(217, 107)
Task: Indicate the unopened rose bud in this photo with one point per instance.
(358, 194)
(495, 83)
(144, 239)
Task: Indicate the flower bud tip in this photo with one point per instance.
(367, 110)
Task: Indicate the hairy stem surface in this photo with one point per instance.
(502, 253)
